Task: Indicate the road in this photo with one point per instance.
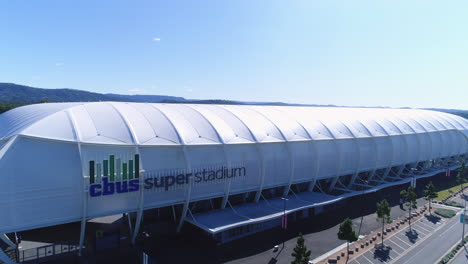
(400, 243)
(324, 240)
(461, 258)
(430, 250)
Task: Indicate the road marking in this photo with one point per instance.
(396, 234)
(420, 231)
(419, 242)
(428, 224)
(422, 227)
(397, 245)
(432, 226)
(366, 258)
(362, 260)
(449, 229)
(403, 241)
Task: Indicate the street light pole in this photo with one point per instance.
(464, 217)
(362, 195)
(284, 221)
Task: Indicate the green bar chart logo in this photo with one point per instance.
(114, 176)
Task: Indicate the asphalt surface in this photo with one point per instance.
(432, 249)
(322, 241)
(400, 245)
(320, 233)
(462, 257)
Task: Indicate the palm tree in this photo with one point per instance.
(347, 232)
(383, 213)
(410, 198)
(429, 194)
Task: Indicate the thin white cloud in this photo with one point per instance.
(58, 64)
(137, 91)
(156, 39)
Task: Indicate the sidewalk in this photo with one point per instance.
(320, 231)
(397, 239)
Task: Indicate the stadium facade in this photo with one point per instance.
(222, 168)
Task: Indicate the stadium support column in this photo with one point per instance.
(338, 155)
(140, 204)
(291, 169)
(358, 167)
(85, 181)
(227, 190)
(5, 259)
(376, 157)
(400, 170)
(83, 214)
(188, 166)
(7, 241)
(227, 184)
(186, 205)
(338, 168)
(262, 173)
(316, 168)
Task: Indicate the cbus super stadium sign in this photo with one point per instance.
(104, 179)
(112, 176)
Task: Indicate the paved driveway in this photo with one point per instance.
(400, 243)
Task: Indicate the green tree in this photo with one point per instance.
(7, 106)
(410, 199)
(347, 232)
(300, 253)
(461, 176)
(383, 214)
(429, 194)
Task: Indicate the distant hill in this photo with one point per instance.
(145, 98)
(462, 113)
(21, 94)
(14, 95)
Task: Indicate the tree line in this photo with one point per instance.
(7, 106)
(346, 231)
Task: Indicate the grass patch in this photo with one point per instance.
(447, 213)
(445, 193)
(454, 204)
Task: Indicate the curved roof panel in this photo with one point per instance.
(190, 124)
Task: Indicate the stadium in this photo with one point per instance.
(221, 168)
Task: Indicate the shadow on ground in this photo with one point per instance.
(382, 253)
(412, 235)
(433, 219)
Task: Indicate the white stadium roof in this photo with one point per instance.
(60, 162)
(190, 124)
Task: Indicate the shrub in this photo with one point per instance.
(454, 204)
(445, 212)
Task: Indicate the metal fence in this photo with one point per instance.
(47, 251)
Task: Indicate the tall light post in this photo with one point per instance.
(284, 221)
(362, 196)
(464, 218)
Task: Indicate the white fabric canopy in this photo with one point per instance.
(190, 124)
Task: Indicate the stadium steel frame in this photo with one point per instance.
(392, 173)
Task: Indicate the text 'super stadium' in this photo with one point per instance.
(222, 168)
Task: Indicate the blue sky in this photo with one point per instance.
(369, 53)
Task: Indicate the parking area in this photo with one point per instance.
(400, 242)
